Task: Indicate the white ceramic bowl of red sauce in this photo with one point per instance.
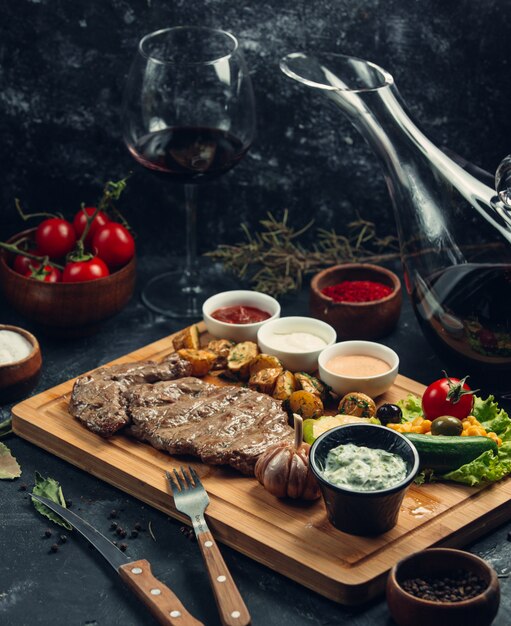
(243, 306)
(351, 376)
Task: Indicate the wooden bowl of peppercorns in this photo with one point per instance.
(443, 587)
(360, 300)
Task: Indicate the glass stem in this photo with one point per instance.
(191, 232)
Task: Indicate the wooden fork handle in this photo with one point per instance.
(231, 607)
(158, 598)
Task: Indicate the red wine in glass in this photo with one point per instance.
(189, 116)
(189, 154)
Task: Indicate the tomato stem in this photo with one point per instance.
(456, 391)
(111, 192)
(13, 247)
(89, 219)
(26, 216)
(79, 254)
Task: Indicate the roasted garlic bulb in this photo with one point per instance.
(283, 469)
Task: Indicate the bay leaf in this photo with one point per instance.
(5, 427)
(51, 489)
(9, 467)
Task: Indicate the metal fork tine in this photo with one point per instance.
(173, 485)
(179, 480)
(195, 477)
(187, 478)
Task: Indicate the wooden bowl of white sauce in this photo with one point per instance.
(20, 363)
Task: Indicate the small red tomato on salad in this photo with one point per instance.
(46, 274)
(114, 244)
(81, 271)
(55, 237)
(80, 222)
(448, 396)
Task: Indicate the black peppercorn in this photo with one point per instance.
(113, 525)
(123, 547)
(47, 533)
(138, 526)
(54, 548)
(63, 538)
(134, 534)
(457, 586)
(113, 514)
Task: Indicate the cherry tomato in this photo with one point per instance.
(81, 271)
(114, 244)
(48, 274)
(447, 396)
(55, 237)
(80, 222)
(22, 263)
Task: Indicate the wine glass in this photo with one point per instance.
(189, 115)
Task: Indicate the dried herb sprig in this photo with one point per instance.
(275, 262)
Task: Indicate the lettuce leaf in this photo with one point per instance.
(411, 407)
(488, 467)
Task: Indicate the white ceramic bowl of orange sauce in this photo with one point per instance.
(353, 376)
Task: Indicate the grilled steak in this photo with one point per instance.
(98, 399)
(221, 425)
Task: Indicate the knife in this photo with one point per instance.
(158, 598)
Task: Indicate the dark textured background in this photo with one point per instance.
(63, 65)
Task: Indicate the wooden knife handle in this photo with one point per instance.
(231, 607)
(159, 599)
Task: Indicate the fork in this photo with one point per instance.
(191, 498)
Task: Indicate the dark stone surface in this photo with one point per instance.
(75, 587)
(62, 70)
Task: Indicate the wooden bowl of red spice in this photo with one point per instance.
(360, 300)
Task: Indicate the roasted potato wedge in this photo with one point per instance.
(305, 404)
(201, 360)
(221, 348)
(358, 404)
(312, 385)
(263, 362)
(285, 384)
(240, 357)
(187, 338)
(264, 380)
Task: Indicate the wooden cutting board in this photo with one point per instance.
(293, 538)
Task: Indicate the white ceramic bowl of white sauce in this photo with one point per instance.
(296, 341)
(355, 379)
(238, 297)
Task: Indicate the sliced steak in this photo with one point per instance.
(221, 425)
(98, 399)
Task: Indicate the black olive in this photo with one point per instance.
(389, 414)
(446, 425)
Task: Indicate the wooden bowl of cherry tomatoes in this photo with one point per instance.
(70, 281)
